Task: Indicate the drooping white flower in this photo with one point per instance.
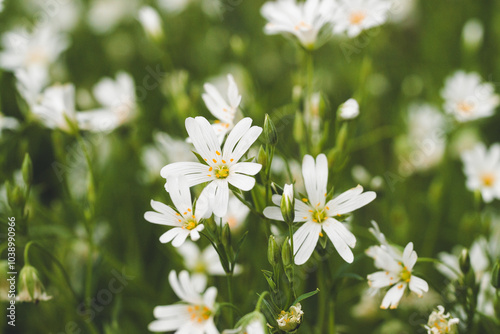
(397, 271)
(222, 165)
(441, 323)
(468, 98)
(57, 107)
(40, 49)
(319, 215)
(224, 110)
(185, 220)
(31, 288)
(206, 262)
(353, 16)
(304, 20)
(7, 123)
(349, 109)
(195, 313)
(482, 169)
(151, 21)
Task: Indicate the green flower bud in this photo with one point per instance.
(495, 276)
(31, 288)
(27, 170)
(291, 320)
(15, 196)
(226, 236)
(262, 157)
(286, 253)
(288, 204)
(270, 131)
(273, 252)
(464, 261)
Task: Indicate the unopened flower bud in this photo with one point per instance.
(226, 236)
(495, 276)
(286, 253)
(288, 204)
(348, 110)
(270, 131)
(151, 22)
(273, 252)
(262, 157)
(464, 261)
(27, 170)
(31, 288)
(291, 320)
(15, 196)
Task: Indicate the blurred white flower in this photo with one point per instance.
(353, 16)
(30, 83)
(173, 6)
(402, 11)
(397, 272)
(1, 5)
(236, 214)
(31, 288)
(441, 323)
(256, 326)
(57, 107)
(362, 176)
(304, 20)
(7, 123)
(151, 22)
(468, 98)
(472, 34)
(195, 313)
(224, 110)
(62, 15)
(40, 49)
(482, 169)
(105, 15)
(349, 109)
(222, 165)
(319, 215)
(186, 221)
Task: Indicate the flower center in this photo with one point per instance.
(405, 274)
(319, 215)
(199, 313)
(302, 26)
(488, 179)
(465, 107)
(189, 224)
(221, 172)
(357, 17)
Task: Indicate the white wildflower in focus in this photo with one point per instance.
(104, 15)
(482, 169)
(236, 214)
(223, 109)
(39, 49)
(9, 123)
(185, 220)
(31, 289)
(468, 98)
(396, 271)
(353, 16)
(441, 323)
(195, 313)
(151, 22)
(206, 262)
(30, 83)
(319, 215)
(291, 320)
(349, 109)
(472, 34)
(57, 107)
(222, 165)
(304, 20)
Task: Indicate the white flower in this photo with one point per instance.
(1, 5)
(39, 49)
(173, 6)
(222, 165)
(206, 262)
(467, 98)
(287, 203)
(482, 169)
(105, 15)
(185, 220)
(349, 109)
(31, 289)
(57, 107)
(236, 214)
(397, 272)
(7, 123)
(30, 83)
(440, 323)
(290, 321)
(320, 216)
(473, 34)
(151, 21)
(304, 20)
(254, 327)
(195, 315)
(222, 109)
(354, 16)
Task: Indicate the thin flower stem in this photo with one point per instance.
(261, 298)
(331, 316)
(292, 285)
(229, 277)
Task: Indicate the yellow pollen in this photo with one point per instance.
(185, 213)
(205, 159)
(217, 121)
(221, 172)
(488, 179)
(357, 17)
(215, 161)
(210, 169)
(320, 234)
(224, 109)
(311, 211)
(223, 161)
(178, 214)
(189, 209)
(304, 200)
(327, 208)
(231, 160)
(305, 217)
(465, 107)
(217, 152)
(189, 225)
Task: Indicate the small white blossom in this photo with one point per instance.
(151, 22)
(304, 20)
(195, 313)
(349, 109)
(291, 320)
(441, 323)
(468, 98)
(482, 169)
(7, 123)
(353, 16)
(57, 107)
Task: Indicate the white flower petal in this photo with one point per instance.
(339, 243)
(304, 249)
(393, 296)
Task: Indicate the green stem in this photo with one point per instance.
(331, 316)
(229, 277)
(261, 298)
(292, 285)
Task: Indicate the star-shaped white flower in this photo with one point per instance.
(56, 107)
(222, 165)
(354, 16)
(303, 20)
(224, 110)
(468, 98)
(397, 271)
(195, 315)
(185, 220)
(318, 214)
(482, 168)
